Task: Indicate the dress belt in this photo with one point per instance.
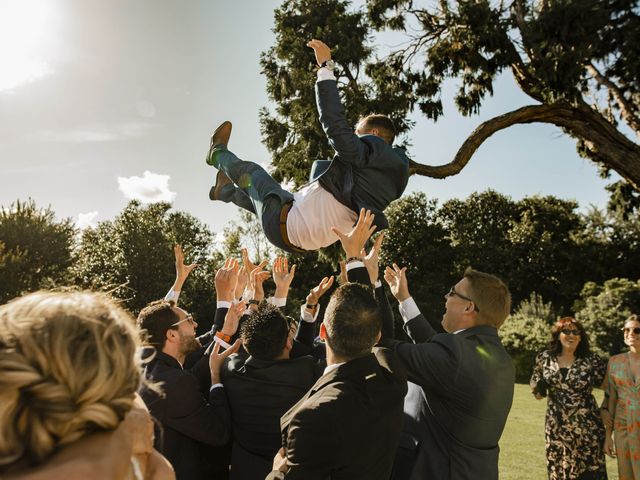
(284, 213)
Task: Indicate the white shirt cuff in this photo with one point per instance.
(354, 264)
(306, 316)
(223, 304)
(408, 309)
(215, 385)
(277, 301)
(172, 296)
(378, 284)
(325, 74)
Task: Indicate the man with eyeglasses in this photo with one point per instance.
(461, 381)
(190, 421)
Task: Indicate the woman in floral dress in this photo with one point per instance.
(623, 387)
(574, 432)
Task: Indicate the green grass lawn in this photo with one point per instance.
(522, 454)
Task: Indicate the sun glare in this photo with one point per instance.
(26, 27)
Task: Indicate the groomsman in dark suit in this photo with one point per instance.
(347, 426)
(463, 381)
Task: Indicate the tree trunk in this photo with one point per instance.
(603, 142)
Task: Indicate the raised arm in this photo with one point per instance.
(341, 136)
(182, 272)
(415, 324)
(282, 277)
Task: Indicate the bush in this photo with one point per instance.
(527, 332)
(603, 309)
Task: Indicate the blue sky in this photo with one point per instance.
(94, 94)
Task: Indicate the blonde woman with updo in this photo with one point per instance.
(69, 372)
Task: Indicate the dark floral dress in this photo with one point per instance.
(573, 430)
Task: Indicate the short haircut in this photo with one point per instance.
(352, 321)
(156, 319)
(491, 296)
(555, 347)
(264, 333)
(384, 124)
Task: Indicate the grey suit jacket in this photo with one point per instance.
(459, 404)
(366, 172)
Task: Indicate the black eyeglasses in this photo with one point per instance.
(571, 331)
(452, 293)
(635, 330)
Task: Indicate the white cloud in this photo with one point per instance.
(94, 134)
(150, 188)
(87, 220)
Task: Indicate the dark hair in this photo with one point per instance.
(352, 321)
(555, 347)
(264, 333)
(156, 319)
(384, 124)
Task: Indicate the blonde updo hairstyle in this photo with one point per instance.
(68, 367)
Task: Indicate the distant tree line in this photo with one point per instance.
(556, 260)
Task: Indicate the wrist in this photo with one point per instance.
(354, 257)
(402, 296)
(281, 292)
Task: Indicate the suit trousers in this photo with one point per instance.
(256, 192)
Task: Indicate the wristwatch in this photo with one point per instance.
(329, 64)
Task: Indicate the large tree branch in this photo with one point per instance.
(627, 110)
(603, 142)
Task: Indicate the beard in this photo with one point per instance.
(188, 344)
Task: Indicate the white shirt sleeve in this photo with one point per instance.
(306, 316)
(172, 296)
(223, 304)
(325, 74)
(277, 301)
(408, 309)
(215, 385)
(354, 264)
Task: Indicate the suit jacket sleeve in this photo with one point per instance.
(190, 414)
(218, 319)
(419, 329)
(432, 364)
(345, 142)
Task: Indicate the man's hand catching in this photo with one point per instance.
(322, 51)
(397, 279)
(354, 241)
(216, 359)
(282, 276)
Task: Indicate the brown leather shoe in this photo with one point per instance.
(221, 181)
(219, 137)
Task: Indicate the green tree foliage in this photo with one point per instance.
(576, 60)
(35, 249)
(526, 333)
(132, 256)
(603, 308)
(293, 133)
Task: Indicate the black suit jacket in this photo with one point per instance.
(347, 426)
(459, 404)
(188, 420)
(366, 171)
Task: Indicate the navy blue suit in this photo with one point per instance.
(457, 404)
(366, 172)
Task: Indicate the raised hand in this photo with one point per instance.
(248, 264)
(226, 280)
(321, 50)
(318, 291)
(216, 359)
(371, 260)
(232, 319)
(396, 278)
(243, 279)
(354, 241)
(257, 278)
(282, 276)
(182, 270)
